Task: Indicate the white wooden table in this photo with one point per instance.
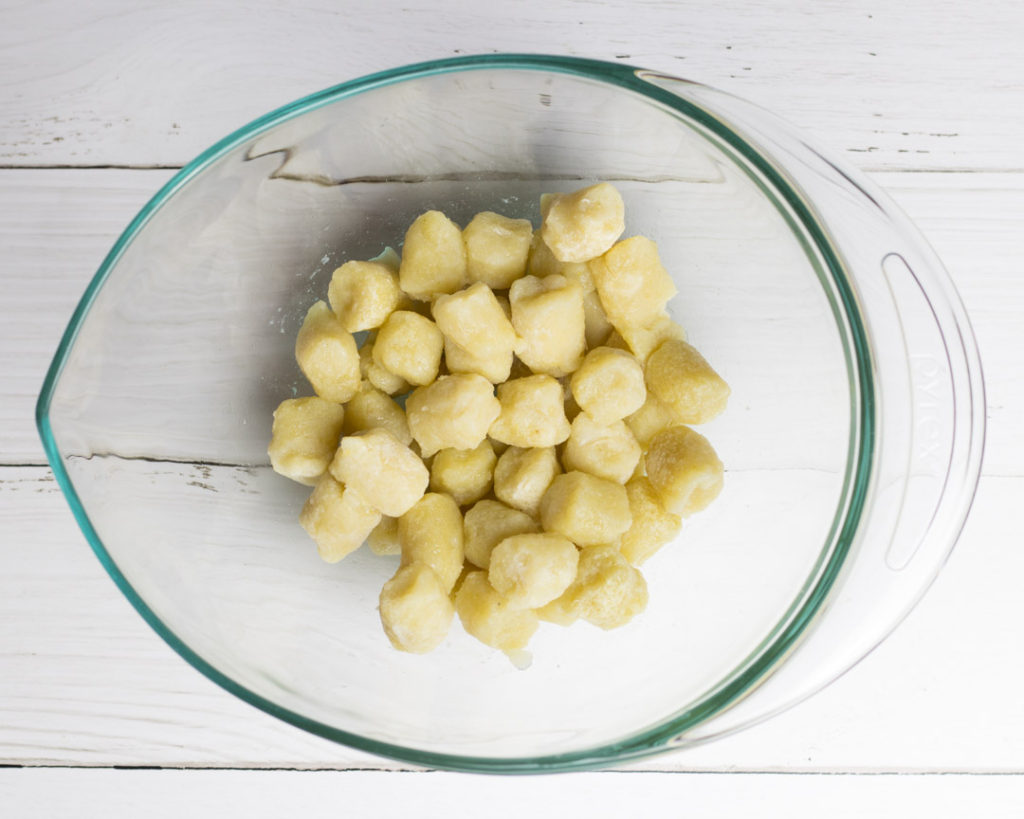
(101, 100)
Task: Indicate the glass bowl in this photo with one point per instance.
(852, 442)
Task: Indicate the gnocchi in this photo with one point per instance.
(514, 427)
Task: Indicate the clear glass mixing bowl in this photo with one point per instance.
(852, 442)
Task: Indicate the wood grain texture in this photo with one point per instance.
(259, 794)
(86, 682)
(55, 228)
(59, 704)
(924, 94)
(917, 84)
(974, 221)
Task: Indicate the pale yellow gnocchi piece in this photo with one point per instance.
(652, 526)
(606, 450)
(370, 408)
(531, 570)
(383, 540)
(643, 340)
(487, 523)
(327, 355)
(386, 382)
(497, 248)
(337, 518)
(542, 261)
(578, 272)
(684, 382)
(607, 592)
(609, 385)
(532, 412)
(596, 327)
(458, 359)
(431, 533)
(582, 225)
(409, 345)
(582, 335)
(490, 618)
(456, 411)
(383, 470)
(649, 420)
(522, 476)
(415, 609)
(478, 336)
(684, 470)
(363, 294)
(433, 257)
(465, 474)
(633, 285)
(548, 317)
(586, 509)
(304, 437)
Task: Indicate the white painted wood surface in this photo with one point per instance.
(258, 794)
(927, 96)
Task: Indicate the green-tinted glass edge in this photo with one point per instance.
(643, 744)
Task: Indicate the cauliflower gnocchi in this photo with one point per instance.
(383, 539)
(607, 592)
(609, 385)
(478, 337)
(363, 294)
(684, 382)
(337, 519)
(372, 409)
(532, 412)
(607, 451)
(415, 609)
(492, 619)
(497, 249)
(431, 533)
(523, 475)
(633, 284)
(532, 378)
(531, 570)
(456, 411)
(409, 345)
(488, 523)
(304, 437)
(465, 474)
(652, 525)
(433, 257)
(327, 355)
(383, 470)
(380, 378)
(550, 320)
(582, 225)
(684, 470)
(586, 509)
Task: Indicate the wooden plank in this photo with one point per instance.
(86, 682)
(160, 794)
(910, 85)
(55, 229)
(974, 221)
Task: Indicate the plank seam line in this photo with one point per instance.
(370, 769)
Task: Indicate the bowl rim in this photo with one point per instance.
(780, 640)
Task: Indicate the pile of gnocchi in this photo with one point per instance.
(516, 423)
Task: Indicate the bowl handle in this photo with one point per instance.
(929, 422)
